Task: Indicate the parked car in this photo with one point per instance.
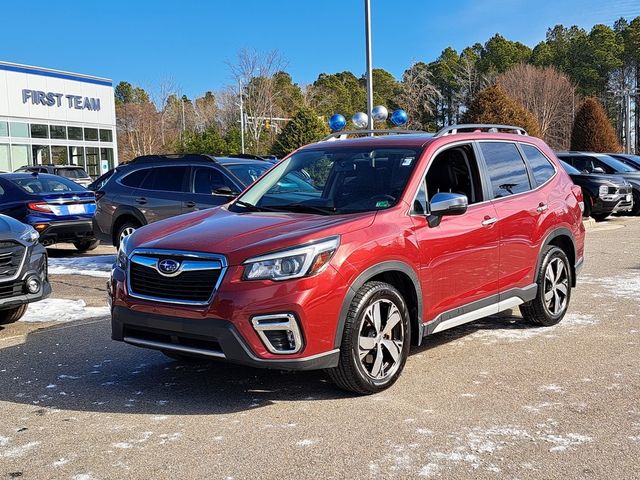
(23, 269)
(155, 187)
(603, 194)
(631, 160)
(606, 165)
(60, 210)
(401, 236)
(73, 173)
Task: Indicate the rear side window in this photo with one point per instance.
(166, 179)
(135, 179)
(540, 165)
(207, 180)
(506, 168)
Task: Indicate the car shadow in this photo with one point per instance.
(78, 367)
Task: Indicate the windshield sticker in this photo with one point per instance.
(407, 161)
(382, 204)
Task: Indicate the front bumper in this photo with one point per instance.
(13, 293)
(213, 338)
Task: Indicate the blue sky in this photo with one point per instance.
(191, 41)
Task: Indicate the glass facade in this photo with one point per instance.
(39, 143)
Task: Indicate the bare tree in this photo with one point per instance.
(546, 93)
(254, 71)
(418, 94)
(167, 88)
(138, 130)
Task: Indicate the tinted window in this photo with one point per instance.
(106, 136)
(58, 131)
(135, 179)
(569, 169)
(75, 133)
(506, 168)
(91, 134)
(583, 164)
(39, 131)
(46, 185)
(207, 180)
(71, 172)
(166, 179)
(541, 166)
(613, 164)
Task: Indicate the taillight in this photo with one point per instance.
(99, 194)
(40, 207)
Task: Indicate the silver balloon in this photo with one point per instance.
(360, 120)
(380, 113)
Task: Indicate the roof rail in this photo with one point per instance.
(489, 127)
(387, 131)
(251, 156)
(173, 157)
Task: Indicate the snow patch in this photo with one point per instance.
(429, 470)
(61, 310)
(20, 451)
(93, 266)
(551, 388)
(626, 285)
(306, 442)
(60, 462)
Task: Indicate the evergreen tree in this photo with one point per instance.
(592, 131)
(305, 127)
(493, 105)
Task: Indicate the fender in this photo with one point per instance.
(547, 241)
(128, 211)
(389, 266)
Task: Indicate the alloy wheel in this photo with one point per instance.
(126, 232)
(380, 339)
(556, 286)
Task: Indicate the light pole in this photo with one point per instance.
(241, 118)
(367, 31)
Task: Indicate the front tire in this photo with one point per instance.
(554, 289)
(635, 210)
(599, 217)
(375, 340)
(126, 229)
(11, 315)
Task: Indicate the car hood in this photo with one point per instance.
(10, 228)
(240, 236)
(630, 176)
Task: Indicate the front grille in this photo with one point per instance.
(11, 257)
(624, 190)
(194, 283)
(172, 341)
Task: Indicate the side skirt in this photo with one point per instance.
(480, 309)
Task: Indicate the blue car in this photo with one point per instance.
(58, 209)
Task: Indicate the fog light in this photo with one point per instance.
(280, 333)
(33, 285)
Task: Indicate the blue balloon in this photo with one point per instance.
(337, 122)
(399, 117)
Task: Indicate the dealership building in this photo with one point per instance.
(50, 116)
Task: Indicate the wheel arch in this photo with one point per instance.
(121, 216)
(563, 239)
(398, 274)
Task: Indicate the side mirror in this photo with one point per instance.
(224, 190)
(598, 170)
(446, 204)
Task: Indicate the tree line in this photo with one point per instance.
(550, 81)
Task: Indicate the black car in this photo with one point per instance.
(629, 159)
(23, 269)
(603, 194)
(155, 187)
(602, 164)
(72, 172)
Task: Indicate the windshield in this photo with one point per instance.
(71, 172)
(334, 181)
(569, 169)
(38, 184)
(617, 165)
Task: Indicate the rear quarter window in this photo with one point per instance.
(135, 179)
(540, 165)
(506, 168)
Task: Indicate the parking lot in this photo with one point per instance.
(492, 399)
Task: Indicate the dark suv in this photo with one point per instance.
(393, 238)
(602, 164)
(155, 187)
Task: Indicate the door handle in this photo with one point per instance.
(141, 200)
(542, 207)
(489, 221)
(190, 204)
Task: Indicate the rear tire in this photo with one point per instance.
(587, 205)
(554, 289)
(86, 245)
(375, 340)
(635, 210)
(126, 229)
(599, 217)
(11, 315)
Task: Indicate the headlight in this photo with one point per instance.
(293, 263)
(122, 260)
(29, 235)
(603, 190)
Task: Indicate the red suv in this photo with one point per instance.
(348, 251)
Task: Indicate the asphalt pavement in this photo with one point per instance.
(492, 399)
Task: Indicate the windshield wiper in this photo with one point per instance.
(299, 207)
(252, 207)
